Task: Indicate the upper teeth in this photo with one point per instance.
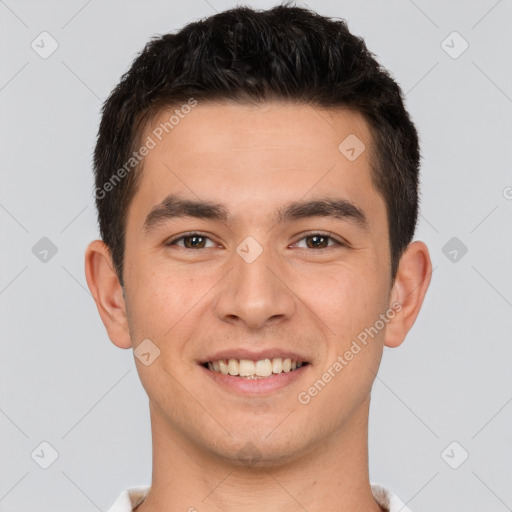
(247, 368)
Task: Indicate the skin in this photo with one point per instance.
(190, 302)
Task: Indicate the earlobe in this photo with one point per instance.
(409, 290)
(107, 293)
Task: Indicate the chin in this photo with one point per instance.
(261, 451)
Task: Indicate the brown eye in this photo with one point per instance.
(194, 241)
(190, 241)
(319, 241)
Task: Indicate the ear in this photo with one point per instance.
(107, 293)
(409, 289)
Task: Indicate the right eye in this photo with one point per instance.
(191, 240)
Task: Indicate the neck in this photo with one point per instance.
(331, 475)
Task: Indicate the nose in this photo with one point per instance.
(256, 293)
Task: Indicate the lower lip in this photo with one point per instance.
(259, 386)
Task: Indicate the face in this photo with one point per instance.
(251, 277)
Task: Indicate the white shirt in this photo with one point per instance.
(134, 496)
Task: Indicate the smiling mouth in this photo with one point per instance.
(248, 369)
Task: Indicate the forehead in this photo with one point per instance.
(212, 127)
(256, 156)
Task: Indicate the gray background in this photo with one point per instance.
(63, 381)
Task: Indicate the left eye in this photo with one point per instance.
(319, 240)
(197, 241)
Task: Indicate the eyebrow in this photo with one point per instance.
(174, 206)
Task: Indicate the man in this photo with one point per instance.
(257, 190)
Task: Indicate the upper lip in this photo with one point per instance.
(240, 353)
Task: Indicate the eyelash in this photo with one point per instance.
(315, 233)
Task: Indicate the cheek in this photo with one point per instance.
(160, 301)
(349, 306)
(345, 298)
